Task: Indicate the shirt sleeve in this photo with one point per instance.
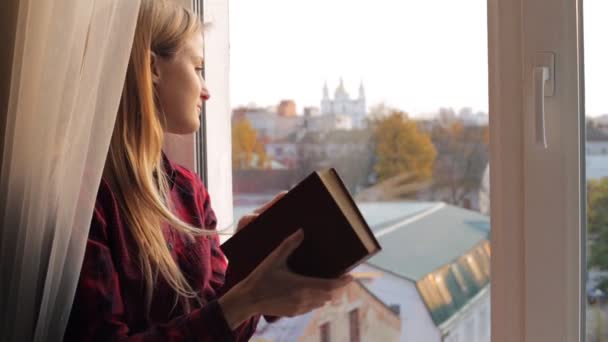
(219, 266)
(219, 273)
(98, 312)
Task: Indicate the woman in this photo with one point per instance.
(153, 269)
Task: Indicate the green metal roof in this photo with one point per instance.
(430, 244)
(382, 214)
(442, 249)
(425, 244)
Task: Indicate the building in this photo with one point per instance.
(357, 316)
(469, 118)
(284, 151)
(268, 123)
(327, 123)
(334, 143)
(343, 105)
(435, 265)
(433, 272)
(311, 111)
(287, 108)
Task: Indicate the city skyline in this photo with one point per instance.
(300, 109)
(290, 50)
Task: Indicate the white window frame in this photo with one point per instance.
(536, 194)
(208, 152)
(217, 128)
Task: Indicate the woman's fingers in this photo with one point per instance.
(290, 244)
(284, 293)
(245, 220)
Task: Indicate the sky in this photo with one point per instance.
(417, 56)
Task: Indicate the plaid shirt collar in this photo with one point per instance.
(169, 169)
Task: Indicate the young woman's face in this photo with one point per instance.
(181, 87)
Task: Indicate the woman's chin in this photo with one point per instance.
(186, 128)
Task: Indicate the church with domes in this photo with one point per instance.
(342, 105)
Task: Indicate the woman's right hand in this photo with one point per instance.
(273, 290)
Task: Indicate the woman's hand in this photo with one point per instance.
(245, 220)
(272, 289)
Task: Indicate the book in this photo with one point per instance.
(336, 236)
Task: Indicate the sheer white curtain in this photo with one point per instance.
(68, 66)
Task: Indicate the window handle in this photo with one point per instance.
(543, 79)
(541, 76)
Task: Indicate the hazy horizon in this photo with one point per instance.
(290, 50)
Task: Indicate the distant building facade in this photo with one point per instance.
(357, 316)
(433, 274)
(343, 105)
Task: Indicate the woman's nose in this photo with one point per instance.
(205, 94)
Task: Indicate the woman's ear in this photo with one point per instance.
(154, 68)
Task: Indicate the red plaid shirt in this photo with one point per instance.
(110, 299)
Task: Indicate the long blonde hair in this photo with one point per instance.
(134, 167)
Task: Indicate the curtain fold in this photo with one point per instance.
(68, 67)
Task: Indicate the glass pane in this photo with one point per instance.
(596, 103)
(394, 97)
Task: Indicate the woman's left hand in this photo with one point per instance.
(246, 219)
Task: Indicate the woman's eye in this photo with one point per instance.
(200, 70)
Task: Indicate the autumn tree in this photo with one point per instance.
(461, 160)
(248, 152)
(401, 148)
(355, 163)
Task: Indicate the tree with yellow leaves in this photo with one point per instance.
(461, 161)
(401, 148)
(247, 151)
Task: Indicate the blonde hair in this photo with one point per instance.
(134, 167)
